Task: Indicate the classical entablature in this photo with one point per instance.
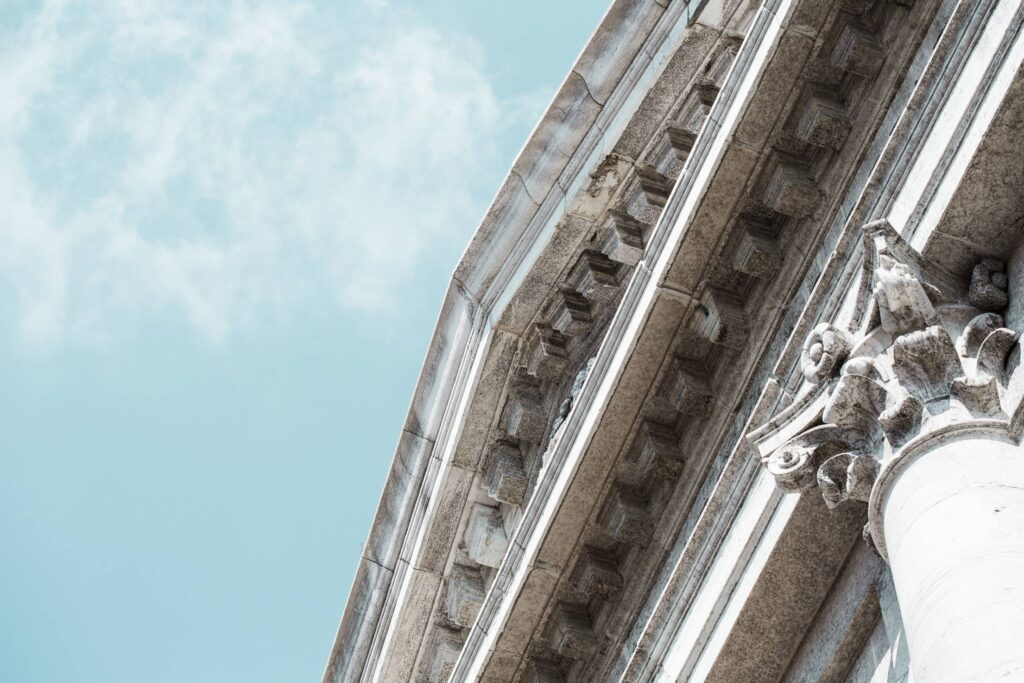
(685, 360)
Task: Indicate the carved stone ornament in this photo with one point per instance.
(823, 353)
(901, 377)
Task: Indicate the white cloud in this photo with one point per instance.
(229, 162)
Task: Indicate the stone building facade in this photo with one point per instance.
(727, 385)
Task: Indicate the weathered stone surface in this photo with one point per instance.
(721, 319)
(447, 645)
(988, 285)
(548, 354)
(595, 276)
(625, 240)
(465, 594)
(656, 449)
(506, 480)
(625, 516)
(847, 476)
(485, 537)
(930, 382)
(571, 632)
(655, 184)
(790, 190)
(795, 464)
(543, 671)
(436, 544)
(411, 627)
(903, 304)
(757, 252)
(597, 574)
(858, 51)
(571, 312)
(681, 137)
(525, 419)
(824, 352)
(823, 122)
(954, 528)
(685, 388)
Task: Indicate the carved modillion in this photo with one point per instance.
(757, 251)
(571, 312)
(857, 51)
(625, 516)
(465, 595)
(823, 121)
(525, 419)
(596, 574)
(505, 478)
(548, 355)
(655, 184)
(543, 671)
(656, 449)
(444, 654)
(685, 389)
(626, 238)
(571, 631)
(720, 318)
(595, 276)
(485, 539)
(681, 139)
(790, 190)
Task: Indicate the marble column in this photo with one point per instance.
(952, 515)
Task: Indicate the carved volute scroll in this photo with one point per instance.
(924, 351)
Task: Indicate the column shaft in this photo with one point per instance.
(953, 520)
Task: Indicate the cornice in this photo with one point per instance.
(628, 46)
(714, 301)
(477, 334)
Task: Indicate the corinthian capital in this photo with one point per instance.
(929, 352)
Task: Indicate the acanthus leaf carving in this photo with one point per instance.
(926, 362)
(978, 394)
(969, 341)
(901, 419)
(854, 407)
(994, 352)
(847, 476)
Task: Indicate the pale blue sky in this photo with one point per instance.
(225, 231)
